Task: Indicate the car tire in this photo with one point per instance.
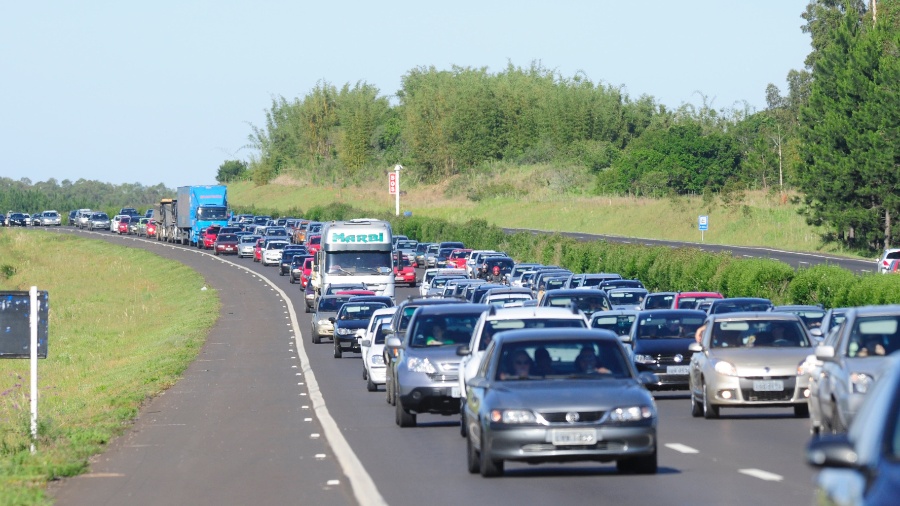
(292, 280)
(316, 338)
(463, 431)
(365, 373)
(281, 273)
(404, 418)
(217, 252)
(489, 467)
(710, 411)
(646, 464)
(801, 411)
(338, 353)
(387, 391)
(370, 385)
(696, 406)
(473, 460)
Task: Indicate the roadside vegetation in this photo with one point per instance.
(124, 325)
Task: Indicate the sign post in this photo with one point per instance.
(24, 317)
(394, 186)
(703, 225)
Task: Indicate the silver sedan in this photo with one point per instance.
(747, 360)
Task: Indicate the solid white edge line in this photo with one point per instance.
(681, 448)
(762, 475)
(364, 489)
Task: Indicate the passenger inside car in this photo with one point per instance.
(588, 363)
(543, 363)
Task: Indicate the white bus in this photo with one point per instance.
(356, 251)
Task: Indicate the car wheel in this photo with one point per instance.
(217, 252)
(281, 273)
(709, 410)
(387, 391)
(646, 464)
(696, 407)
(801, 411)
(404, 418)
(473, 460)
(489, 467)
(338, 353)
(370, 385)
(365, 373)
(292, 280)
(316, 338)
(462, 424)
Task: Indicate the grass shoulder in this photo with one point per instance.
(124, 325)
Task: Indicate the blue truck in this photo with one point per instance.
(196, 208)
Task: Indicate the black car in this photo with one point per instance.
(496, 269)
(660, 339)
(288, 258)
(17, 220)
(350, 325)
(862, 466)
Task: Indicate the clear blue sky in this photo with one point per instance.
(165, 91)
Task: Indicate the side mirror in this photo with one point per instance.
(393, 342)
(366, 343)
(832, 451)
(695, 347)
(331, 319)
(825, 352)
(648, 378)
(463, 350)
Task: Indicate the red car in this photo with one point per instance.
(687, 300)
(124, 225)
(151, 228)
(404, 272)
(226, 244)
(257, 250)
(306, 271)
(209, 236)
(457, 259)
(313, 244)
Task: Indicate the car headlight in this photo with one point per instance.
(630, 414)
(414, 364)
(644, 359)
(860, 382)
(512, 416)
(344, 332)
(726, 368)
(376, 360)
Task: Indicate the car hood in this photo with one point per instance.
(663, 346)
(754, 361)
(351, 324)
(441, 353)
(324, 315)
(579, 395)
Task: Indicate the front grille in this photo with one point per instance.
(448, 367)
(443, 377)
(617, 446)
(753, 396)
(583, 416)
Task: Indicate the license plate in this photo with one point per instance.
(454, 392)
(768, 386)
(573, 437)
(678, 369)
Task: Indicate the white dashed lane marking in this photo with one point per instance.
(762, 475)
(681, 448)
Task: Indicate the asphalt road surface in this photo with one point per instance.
(264, 416)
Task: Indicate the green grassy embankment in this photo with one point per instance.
(756, 219)
(124, 324)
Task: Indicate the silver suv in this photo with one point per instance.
(425, 372)
(500, 319)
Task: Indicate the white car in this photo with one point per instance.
(271, 255)
(246, 245)
(500, 319)
(372, 346)
(431, 273)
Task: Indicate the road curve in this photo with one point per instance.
(747, 457)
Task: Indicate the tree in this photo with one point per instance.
(851, 147)
(231, 170)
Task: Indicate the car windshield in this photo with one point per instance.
(491, 327)
(276, 245)
(758, 333)
(588, 303)
(331, 304)
(736, 307)
(620, 324)
(227, 238)
(668, 326)
(561, 359)
(348, 263)
(358, 311)
(444, 330)
(627, 298)
(439, 282)
(873, 336)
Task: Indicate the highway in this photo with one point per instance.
(264, 416)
